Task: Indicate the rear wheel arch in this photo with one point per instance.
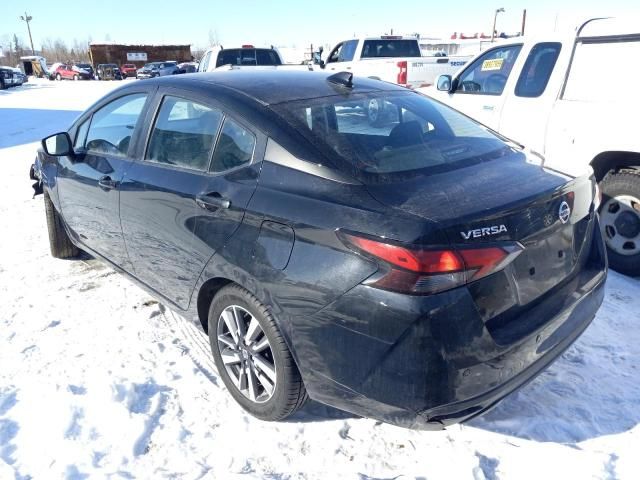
(614, 161)
(206, 293)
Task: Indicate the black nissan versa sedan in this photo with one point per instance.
(414, 272)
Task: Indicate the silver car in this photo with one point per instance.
(158, 69)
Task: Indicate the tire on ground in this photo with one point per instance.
(59, 242)
(622, 183)
(290, 393)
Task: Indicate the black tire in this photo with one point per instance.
(59, 242)
(2, 87)
(58, 77)
(614, 185)
(76, 78)
(289, 393)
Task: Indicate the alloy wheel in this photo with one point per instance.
(620, 224)
(246, 353)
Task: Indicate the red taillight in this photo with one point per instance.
(480, 262)
(402, 73)
(421, 261)
(414, 270)
(247, 46)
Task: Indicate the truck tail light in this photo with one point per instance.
(412, 270)
(402, 73)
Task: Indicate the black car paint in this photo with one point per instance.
(416, 361)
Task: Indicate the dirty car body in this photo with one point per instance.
(419, 271)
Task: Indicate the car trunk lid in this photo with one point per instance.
(506, 201)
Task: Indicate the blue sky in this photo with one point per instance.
(282, 23)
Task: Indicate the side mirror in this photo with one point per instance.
(58, 145)
(444, 83)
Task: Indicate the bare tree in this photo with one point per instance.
(214, 39)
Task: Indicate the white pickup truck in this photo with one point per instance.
(572, 99)
(394, 59)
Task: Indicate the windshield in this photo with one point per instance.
(379, 137)
(390, 48)
(152, 65)
(248, 56)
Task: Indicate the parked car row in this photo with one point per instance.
(111, 71)
(11, 77)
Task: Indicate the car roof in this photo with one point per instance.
(270, 87)
(605, 27)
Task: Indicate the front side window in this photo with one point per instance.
(183, 134)
(412, 135)
(205, 62)
(235, 147)
(489, 73)
(334, 56)
(112, 126)
(81, 134)
(537, 69)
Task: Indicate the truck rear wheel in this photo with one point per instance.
(620, 221)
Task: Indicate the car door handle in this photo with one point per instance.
(106, 183)
(212, 201)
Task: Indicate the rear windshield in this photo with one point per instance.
(380, 136)
(390, 48)
(248, 56)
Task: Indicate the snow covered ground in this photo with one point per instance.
(97, 380)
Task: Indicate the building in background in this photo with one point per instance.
(137, 54)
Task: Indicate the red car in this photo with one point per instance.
(70, 72)
(128, 70)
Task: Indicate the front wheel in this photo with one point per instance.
(59, 242)
(252, 357)
(58, 77)
(620, 221)
(75, 78)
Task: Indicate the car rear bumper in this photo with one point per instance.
(428, 362)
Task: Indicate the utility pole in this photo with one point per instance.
(495, 18)
(26, 18)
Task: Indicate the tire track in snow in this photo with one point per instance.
(192, 341)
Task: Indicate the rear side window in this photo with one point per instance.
(183, 134)
(112, 126)
(489, 73)
(591, 78)
(390, 48)
(348, 51)
(234, 148)
(537, 70)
